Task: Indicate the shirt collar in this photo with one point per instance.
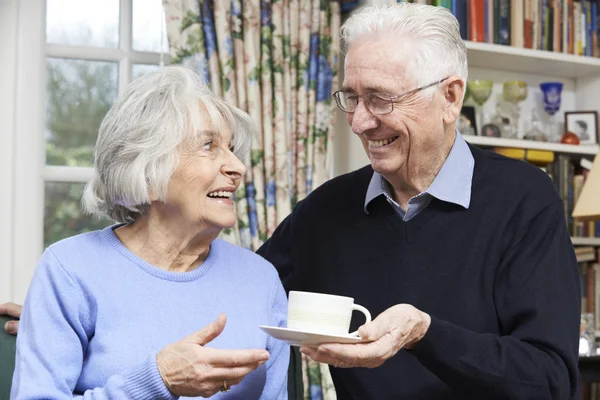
(452, 183)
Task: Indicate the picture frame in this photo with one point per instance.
(584, 124)
(467, 124)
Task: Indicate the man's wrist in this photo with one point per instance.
(420, 329)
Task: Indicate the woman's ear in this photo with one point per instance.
(152, 195)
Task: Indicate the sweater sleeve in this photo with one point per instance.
(54, 333)
(537, 297)
(278, 250)
(277, 366)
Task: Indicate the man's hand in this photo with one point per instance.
(398, 327)
(190, 369)
(13, 310)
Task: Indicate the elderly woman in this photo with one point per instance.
(138, 310)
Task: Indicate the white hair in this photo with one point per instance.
(140, 137)
(437, 50)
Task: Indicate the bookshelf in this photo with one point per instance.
(517, 59)
(579, 74)
(499, 63)
(530, 144)
(585, 241)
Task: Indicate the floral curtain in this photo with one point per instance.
(276, 60)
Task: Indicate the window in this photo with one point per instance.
(93, 50)
(62, 64)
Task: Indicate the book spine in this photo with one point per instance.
(504, 22)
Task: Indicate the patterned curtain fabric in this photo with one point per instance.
(276, 60)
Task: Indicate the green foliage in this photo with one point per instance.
(237, 35)
(286, 47)
(195, 41)
(256, 156)
(226, 84)
(254, 74)
(324, 46)
(62, 214)
(181, 53)
(319, 133)
(277, 68)
(242, 224)
(79, 94)
(190, 18)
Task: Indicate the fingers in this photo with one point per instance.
(12, 309)
(235, 358)
(191, 370)
(209, 332)
(233, 375)
(367, 355)
(391, 331)
(11, 327)
(376, 328)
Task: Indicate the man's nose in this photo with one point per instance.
(362, 119)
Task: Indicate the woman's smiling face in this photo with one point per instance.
(202, 186)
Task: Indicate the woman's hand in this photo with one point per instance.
(13, 310)
(190, 369)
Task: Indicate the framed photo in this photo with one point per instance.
(466, 123)
(584, 124)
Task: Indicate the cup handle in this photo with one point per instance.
(365, 312)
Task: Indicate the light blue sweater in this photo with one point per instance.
(96, 315)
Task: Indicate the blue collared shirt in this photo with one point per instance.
(451, 184)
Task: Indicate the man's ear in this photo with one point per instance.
(453, 95)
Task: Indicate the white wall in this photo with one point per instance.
(349, 154)
(8, 57)
(22, 118)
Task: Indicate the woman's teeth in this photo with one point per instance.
(381, 143)
(221, 194)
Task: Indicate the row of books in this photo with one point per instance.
(590, 391)
(567, 26)
(589, 274)
(569, 177)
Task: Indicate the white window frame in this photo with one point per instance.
(23, 173)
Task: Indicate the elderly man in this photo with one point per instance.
(462, 254)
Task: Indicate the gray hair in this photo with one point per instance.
(438, 51)
(140, 137)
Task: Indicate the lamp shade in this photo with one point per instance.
(588, 203)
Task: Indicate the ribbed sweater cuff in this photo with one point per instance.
(441, 342)
(145, 382)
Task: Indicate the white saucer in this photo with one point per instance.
(302, 338)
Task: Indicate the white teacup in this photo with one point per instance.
(322, 313)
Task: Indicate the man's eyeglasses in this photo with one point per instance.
(377, 103)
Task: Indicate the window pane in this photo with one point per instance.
(83, 22)
(63, 216)
(79, 94)
(138, 70)
(148, 21)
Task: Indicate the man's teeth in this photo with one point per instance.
(380, 143)
(221, 194)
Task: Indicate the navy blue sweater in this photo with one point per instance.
(499, 279)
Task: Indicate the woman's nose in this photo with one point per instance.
(234, 167)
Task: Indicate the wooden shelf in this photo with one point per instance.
(538, 62)
(585, 241)
(530, 144)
